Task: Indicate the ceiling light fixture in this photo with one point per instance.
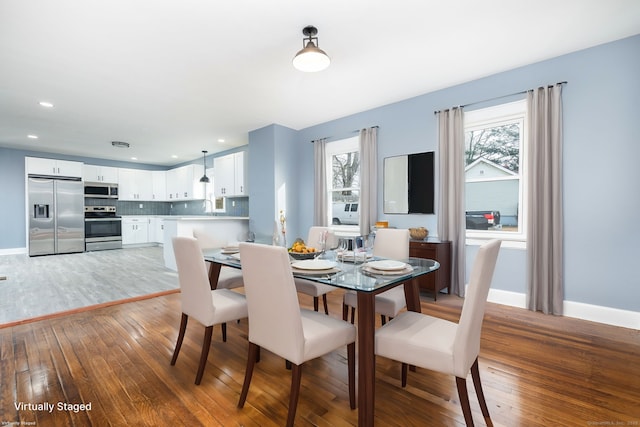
(32, 136)
(120, 144)
(46, 104)
(311, 58)
(204, 178)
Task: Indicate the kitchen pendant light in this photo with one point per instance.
(204, 178)
(311, 58)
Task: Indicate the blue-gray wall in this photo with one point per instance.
(601, 173)
(273, 149)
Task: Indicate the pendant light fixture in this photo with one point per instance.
(311, 58)
(204, 178)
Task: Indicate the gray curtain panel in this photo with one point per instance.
(320, 202)
(451, 210)
(369, 179)
(545, 217)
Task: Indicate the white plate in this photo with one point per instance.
(407, 270)
(314, 264)
(387, 265)
(227, 251)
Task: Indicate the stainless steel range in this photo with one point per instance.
(102, 228)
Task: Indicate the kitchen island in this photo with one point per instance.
(225, 229)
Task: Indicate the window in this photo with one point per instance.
(343, 182)
(495, 187)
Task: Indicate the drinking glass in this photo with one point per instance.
(368, 245)
(359, 254)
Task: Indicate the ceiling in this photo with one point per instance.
(173, 77)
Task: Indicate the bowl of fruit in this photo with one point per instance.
(301, 251)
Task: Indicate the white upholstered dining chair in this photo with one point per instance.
(314, 289)
(229, 277)
(209, 307)
(443, 346)
(279, 325)
(389, 243)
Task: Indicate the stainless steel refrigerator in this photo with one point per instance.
(56, 216)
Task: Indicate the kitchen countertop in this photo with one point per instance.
(191, 217)
(203, 217)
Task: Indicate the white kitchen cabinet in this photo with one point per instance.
(156, 230)
(240, 174)
(183, 183)
(135, 230)
(158, 186)
(53, 167)
(172, 184)
(135, 184)
(229, 175)
(224, 175)
(105, 174)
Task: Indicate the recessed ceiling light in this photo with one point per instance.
(174, 156)
(46, 104)
(134, 158)
(32, 136)
(220, 139)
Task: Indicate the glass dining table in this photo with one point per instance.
(367, 282)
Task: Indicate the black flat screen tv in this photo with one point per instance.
(421, 191)
(409, 184)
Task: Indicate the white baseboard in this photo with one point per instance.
(578, 310)
(513, 299)
(13, 251)
(608, 315)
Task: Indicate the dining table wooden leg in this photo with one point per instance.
(214, 274)
(366, 358)
(412, 295)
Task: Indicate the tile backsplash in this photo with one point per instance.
(235, 206)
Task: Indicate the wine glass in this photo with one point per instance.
(343, 246)
(322, 243)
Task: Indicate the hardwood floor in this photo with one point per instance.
(536, 370)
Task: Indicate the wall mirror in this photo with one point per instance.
(409, 184)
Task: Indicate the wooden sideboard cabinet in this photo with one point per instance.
(439, 251)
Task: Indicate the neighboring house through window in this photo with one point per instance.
(495, 185)
(343, 182)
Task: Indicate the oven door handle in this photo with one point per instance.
(103, 219)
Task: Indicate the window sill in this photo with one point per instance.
(345, 230)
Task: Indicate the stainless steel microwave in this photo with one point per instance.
(100, 191)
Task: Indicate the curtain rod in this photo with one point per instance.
(498, 97)
(353, 131)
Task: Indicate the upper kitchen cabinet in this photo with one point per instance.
(183, 183)
(105, 174)
(53, 167)
(159, 186)
(135, 184)
(229, 175)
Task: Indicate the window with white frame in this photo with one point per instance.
(343, 182)
(495, 186)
